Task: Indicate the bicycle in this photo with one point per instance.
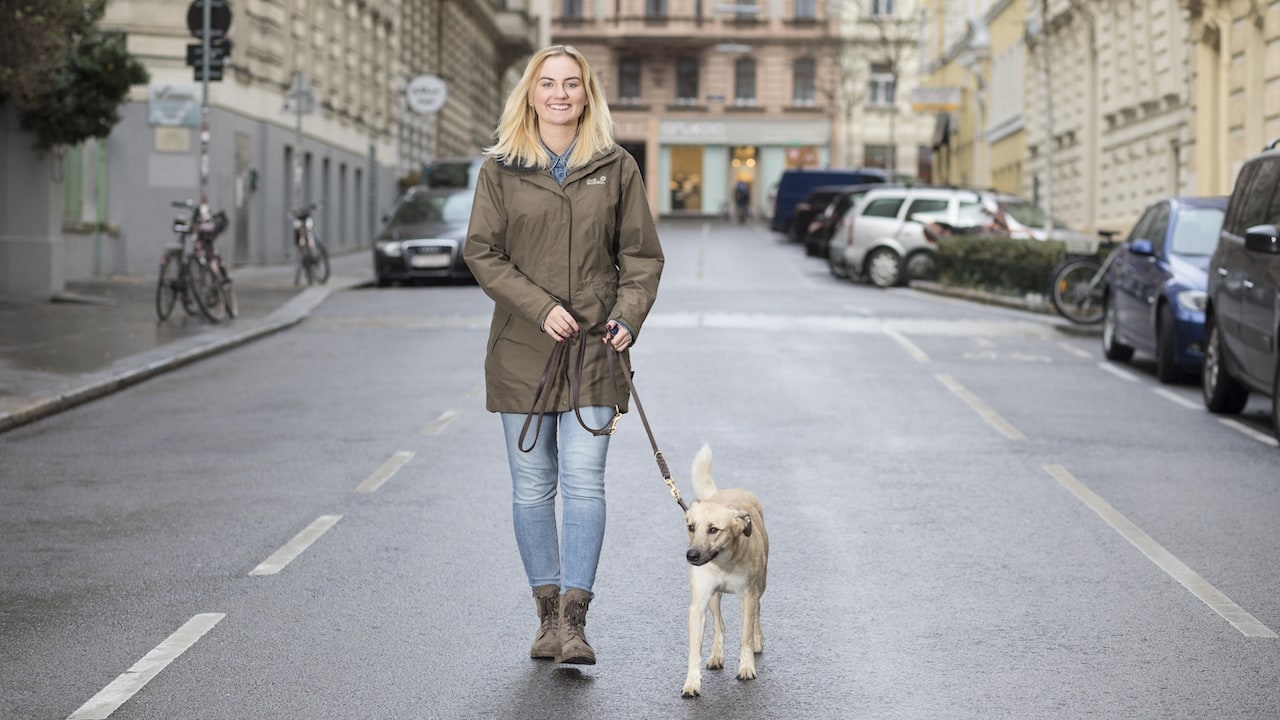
(1078, 289)
(200, 276)
(313, 256)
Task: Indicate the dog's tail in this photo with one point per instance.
(703, 486)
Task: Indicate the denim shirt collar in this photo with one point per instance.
(560, 163)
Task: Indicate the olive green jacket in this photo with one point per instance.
(590, 246)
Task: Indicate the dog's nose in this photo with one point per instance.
(692, 556)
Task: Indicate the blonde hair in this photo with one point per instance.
(518, 140)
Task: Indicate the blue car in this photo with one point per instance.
(1155, 286)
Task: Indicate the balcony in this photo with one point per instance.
(517, 31)
(690, 32)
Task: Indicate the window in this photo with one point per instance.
(877, 156)
(881, 90)
(802, 82)
(655, 8)
(571, 8)
(744, 82)
(806, 9)
(629, 80)
(1264, 182)
(881, 7)
(687, 81)
(883, 207)
(933, 209)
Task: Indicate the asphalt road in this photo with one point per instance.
(971, 515)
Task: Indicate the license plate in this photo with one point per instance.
(436, 260)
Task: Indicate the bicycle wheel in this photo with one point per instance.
(206, 289)
(1077, 291)
(320, 260)
(167, 285)
(229, 301)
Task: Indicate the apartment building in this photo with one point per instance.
(1091, 113)
(344, 141)
(708, 95)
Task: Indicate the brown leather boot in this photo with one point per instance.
(573, 621)
(546, 644)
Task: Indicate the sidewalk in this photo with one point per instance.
(102, 335)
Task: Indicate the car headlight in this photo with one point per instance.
(1192, 300)
(390, 249)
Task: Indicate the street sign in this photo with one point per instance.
(426, 94)
(218, 52)
(215, 72)
(219, 18)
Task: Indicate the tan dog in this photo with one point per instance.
(729, 552)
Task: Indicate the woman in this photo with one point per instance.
(561, 238)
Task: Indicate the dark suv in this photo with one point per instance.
(1242, 317)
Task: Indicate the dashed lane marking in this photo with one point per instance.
(984, 411)
(292, 549)
(1082, 354)
(1250, 432)
(1247, 624)
(911, 348)
(1123, 375)
(1177, 399)
(384, 473)
(440, 423)
(110, 698)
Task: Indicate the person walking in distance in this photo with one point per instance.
(742, 199)
(562, 240)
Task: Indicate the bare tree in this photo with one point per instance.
(874, 34)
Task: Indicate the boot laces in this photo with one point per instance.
(548, 608)
(575, 616)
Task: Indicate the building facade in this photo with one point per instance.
(311, 107)
(1105, 107)
(709, 95)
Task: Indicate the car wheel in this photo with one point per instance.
(883, 267)
(921, 266)
(1222, 393)
(1112, 348)
(1167, 369)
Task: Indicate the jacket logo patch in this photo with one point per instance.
(598, 180)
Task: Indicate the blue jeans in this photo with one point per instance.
(569, 458)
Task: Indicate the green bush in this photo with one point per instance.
(995, 264)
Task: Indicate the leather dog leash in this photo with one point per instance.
(543, 393)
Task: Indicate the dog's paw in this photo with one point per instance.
(715, 662)
(691, 689)
(747, 672)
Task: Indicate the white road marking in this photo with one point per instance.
(1122, 374)
(859, 309)
(1241, 427)
(1083, 354)
(110, 698)
(384, 473)
(440, 423)
(1176, 398)
(984, 411)
(910, 347)
(984, 342)
(296, 546)
(1208, 594)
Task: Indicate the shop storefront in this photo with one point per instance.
(701, 162)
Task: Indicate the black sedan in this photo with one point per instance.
(423, 237)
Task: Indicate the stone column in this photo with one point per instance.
(31, 247)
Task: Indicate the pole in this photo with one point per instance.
(297, 142)
(204, 104)
(1048, 121)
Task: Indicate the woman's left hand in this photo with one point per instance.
(617, 336)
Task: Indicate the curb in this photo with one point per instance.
(1039, 307)
(146, 365)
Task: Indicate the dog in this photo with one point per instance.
(729, 553)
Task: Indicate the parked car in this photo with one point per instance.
(817, 236)
(1155, 287)
(882, 237)
(1242, 311)
(795, 185)
(424, 235)
(810, 207)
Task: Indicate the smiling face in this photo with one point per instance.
(714, 530)
(559, 94)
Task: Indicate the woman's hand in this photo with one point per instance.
(559, 324)
(617, 335)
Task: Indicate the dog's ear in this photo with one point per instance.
(745, 519)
